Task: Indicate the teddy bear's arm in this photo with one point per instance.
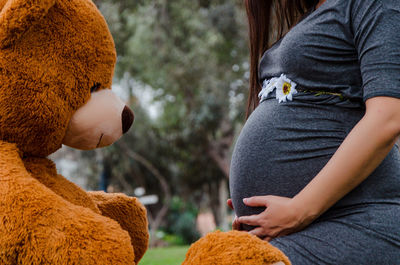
(129, 213)
(39, 227)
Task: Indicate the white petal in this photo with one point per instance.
(264, 93)
(279, 84)
(285, 79)
(265, 83)
(268, 87)
(279, 93)
(272, 83)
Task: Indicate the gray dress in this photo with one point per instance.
(348, 47)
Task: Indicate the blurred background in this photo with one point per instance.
(183, 68)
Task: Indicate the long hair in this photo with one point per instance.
(268, 21)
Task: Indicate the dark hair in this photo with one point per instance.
(268, 21)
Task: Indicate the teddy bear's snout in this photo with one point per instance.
(98, 123)
(127, 119)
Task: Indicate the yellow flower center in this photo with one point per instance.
(286, 88)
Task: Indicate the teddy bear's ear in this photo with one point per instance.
(17, 16)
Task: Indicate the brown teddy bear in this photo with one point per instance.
(56, 64)
(234, 248)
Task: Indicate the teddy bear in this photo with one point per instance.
(57, 59)
(234, 248)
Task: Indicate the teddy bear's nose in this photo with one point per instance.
(127, 119)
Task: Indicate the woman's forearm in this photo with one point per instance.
(358, 156)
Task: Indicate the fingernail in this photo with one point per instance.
(245, 200)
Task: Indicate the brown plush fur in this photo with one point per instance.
(127, 211)
(233, 248)
(51, 53)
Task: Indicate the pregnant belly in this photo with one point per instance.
(283, 146)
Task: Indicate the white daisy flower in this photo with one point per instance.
(268, 87)
(285, 89)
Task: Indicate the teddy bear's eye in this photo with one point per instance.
(95, 87)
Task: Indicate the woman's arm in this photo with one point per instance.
(357, 157)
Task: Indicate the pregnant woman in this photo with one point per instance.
(315, 170)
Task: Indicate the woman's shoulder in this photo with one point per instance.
(369, 13)
(370, 5)
(361, 5)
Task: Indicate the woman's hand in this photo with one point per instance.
(236, 223)
(281, 217)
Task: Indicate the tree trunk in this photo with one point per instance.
(219, 151)
(223, 211)
(154, 222)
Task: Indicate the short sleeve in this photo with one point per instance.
(376, 28)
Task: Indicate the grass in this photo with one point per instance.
(164, 256)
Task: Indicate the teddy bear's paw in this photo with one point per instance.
(129, 213)
(234, 248)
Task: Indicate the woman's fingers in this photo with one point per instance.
(257, 232)
(230, 204)
(236, 224)
(267, 238)
(279, 218)
(250, 220)
(263, 233)
(257, 201)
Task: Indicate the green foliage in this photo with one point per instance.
(182, 221)
(185, 227)
(173, 240)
